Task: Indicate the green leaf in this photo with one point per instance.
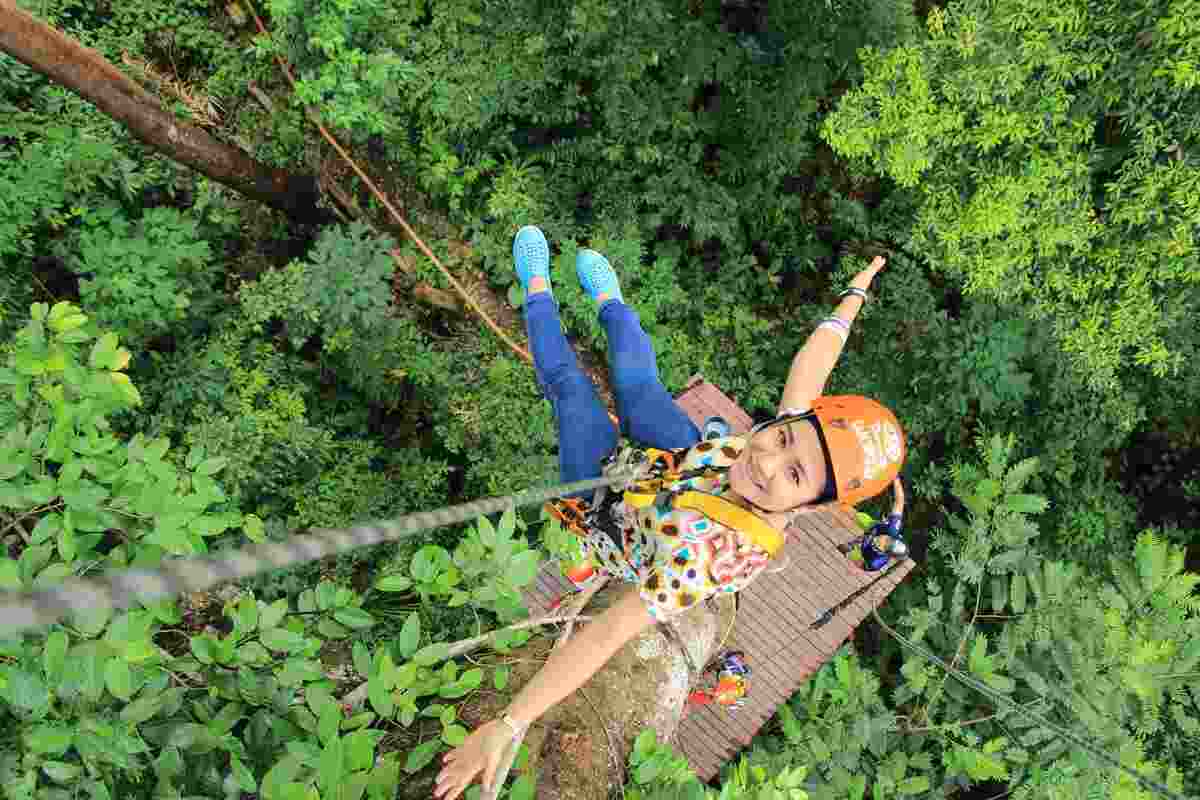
(1025, 503)
(432, 654)
(272, 615)
(211, 466)
(104, 352)
(508, 523)
(387, 672)
(354, 618)
(1000, 683)
(49, 739)
(454, 735)
(360, 720)
(361, 657)
(329, 722)
(645, 744)
(245, 614)
(428, 563)
(300, 670)
(252, 526)
(143, 708)
(10, 574)
(978, 662)
(522, 789)
(326, 595)
(500, 678)
(332, 630)
(381, 785)
(119, 679)
(523, 568)
(329, 769)
(54, 656)
(914, 785)
(243, 775)
(381, 698)
(66, 541)
(282, 640)
(393, 583)
(205, 649)
(487, 533)
(410, 635)
(999, 586)
(647, 771)
(421, 755)
(1019, 592)
(359, 748)
(26, 692)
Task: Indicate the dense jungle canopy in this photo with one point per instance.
(189, 363)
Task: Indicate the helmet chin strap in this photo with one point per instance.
(781, 419)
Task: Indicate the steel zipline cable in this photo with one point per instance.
(23, 610)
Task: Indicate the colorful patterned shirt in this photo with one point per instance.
(679, 557)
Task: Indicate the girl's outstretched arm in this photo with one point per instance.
(568, 668)
(816, 359)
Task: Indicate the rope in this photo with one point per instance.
(386, 203)
(23, 610)
(313, 117)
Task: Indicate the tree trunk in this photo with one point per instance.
(580, 748)
(91, 76)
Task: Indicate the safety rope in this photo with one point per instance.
(31, 608)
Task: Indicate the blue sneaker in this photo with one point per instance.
(532, 256)
(597, 277)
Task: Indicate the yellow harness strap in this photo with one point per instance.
(753, 527)
(760, 532)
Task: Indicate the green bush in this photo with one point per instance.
(1047, 145)
(138, 278)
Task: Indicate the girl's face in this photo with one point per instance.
(781, 467)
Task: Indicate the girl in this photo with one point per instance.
(705, 516)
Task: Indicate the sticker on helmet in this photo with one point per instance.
(881, 446)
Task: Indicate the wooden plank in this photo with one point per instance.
(803, 593)
(791, 626)
(709, 733)
(860, 605)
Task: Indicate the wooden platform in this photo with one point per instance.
(774, 613)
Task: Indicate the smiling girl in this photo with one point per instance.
(704, 516)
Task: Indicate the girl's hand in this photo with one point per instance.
(863, 279)
(481, 751)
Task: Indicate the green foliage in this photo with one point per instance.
(659, 773)
(486, 572)
(526, 114)
(1053, 161)
(72, 484)
(680, 139)
(41, 178)
(138, 278)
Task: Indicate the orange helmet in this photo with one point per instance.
(864, 444)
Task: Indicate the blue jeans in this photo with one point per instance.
(586, 435)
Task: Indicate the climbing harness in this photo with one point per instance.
(22, 610)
